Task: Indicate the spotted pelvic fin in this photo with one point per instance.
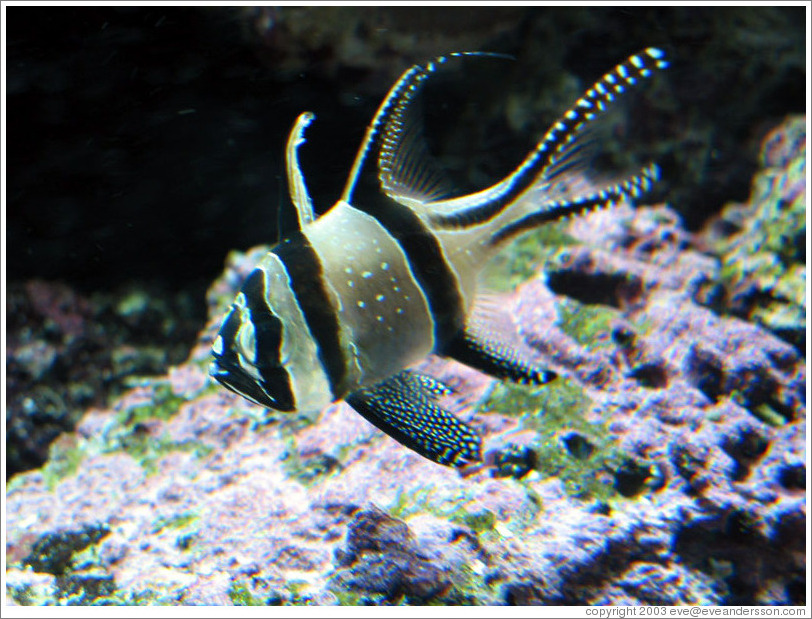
(405, 407)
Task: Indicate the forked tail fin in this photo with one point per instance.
(552, 167)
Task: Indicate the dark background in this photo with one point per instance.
(145, 143)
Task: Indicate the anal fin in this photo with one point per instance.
(495, 359)
(405, 407)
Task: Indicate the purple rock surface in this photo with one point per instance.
(694, 424)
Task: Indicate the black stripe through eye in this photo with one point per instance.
(307, 281)
(268, 342)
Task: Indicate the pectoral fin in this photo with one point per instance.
(405, 407)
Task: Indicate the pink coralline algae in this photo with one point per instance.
(665, 465)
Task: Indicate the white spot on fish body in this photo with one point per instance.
(366, 274)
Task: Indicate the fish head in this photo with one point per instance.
(238, 367)
(264, 350)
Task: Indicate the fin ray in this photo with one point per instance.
(406, 169)
(560, 209)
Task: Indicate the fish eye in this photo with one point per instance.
(246, 341)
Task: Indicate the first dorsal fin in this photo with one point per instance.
(405, 407)
(293, 220)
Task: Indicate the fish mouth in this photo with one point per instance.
(237, 380)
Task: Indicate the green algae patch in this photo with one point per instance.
(64, 457)
(589, 325)
(133, 431)
(480, 521)
(53, 553)
(307, 471)
(764, 260)
(523, 258)
(71, 556)
(348, 598)
(39, 594)
(164, 405)
(240, 595)
(567, 446)
(148, 450)
(468, 588)
(178, 521)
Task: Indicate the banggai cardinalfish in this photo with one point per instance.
(345, 302)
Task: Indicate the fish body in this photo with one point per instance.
(345, 302)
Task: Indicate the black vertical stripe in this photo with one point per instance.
(427, 263)
(307, 281)
(268, 342)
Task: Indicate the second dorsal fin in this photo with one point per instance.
(381, 141)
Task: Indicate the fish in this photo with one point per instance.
(344, 303)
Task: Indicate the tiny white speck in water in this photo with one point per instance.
(366, 274)
(406, 297)
(396, 288)
(380, 297)
(350, 283)
(385, 266)
(348, 270)
(380, 318)
(361, 304)
(399, 310)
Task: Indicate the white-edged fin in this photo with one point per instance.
(299, 197)
(585, 201)
(402, 92)
(406, 168)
